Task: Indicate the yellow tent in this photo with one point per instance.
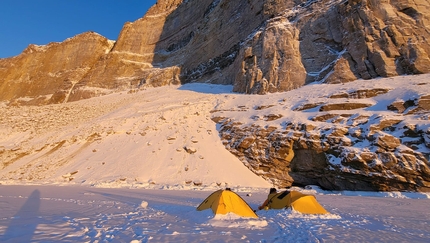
(300, 202)
(226, 201)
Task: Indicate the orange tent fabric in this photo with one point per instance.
(298, 201)
(226, 201)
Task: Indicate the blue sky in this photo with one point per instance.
(24, 22)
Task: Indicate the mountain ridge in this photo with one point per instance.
(258, 46)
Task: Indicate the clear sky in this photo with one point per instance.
(24, 22)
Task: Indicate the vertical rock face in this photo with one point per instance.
(386, 37)
(259, 46)
(268, 59)
(48, 73)
(130, 63)
(342, 41)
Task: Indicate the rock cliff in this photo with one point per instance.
(259, 46)
(47, 74)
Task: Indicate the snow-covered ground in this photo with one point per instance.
(133, 167)
(162, 136)
(89, 214)
(165, 136)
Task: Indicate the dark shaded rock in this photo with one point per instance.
(385, 141)
(343, 106)
(307, 106)
(361, 94)
(262, 107)
(301, 155)
(272, 117)
(383, 123)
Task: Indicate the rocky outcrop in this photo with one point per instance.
(338, 148)
(329, 159)
(47, 74)
(130, 64)
(341, 41)
(259, 46)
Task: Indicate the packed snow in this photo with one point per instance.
(88, 214)
(133, 167)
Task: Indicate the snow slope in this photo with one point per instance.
(164, 137)
(160, 136)
(133, 167)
